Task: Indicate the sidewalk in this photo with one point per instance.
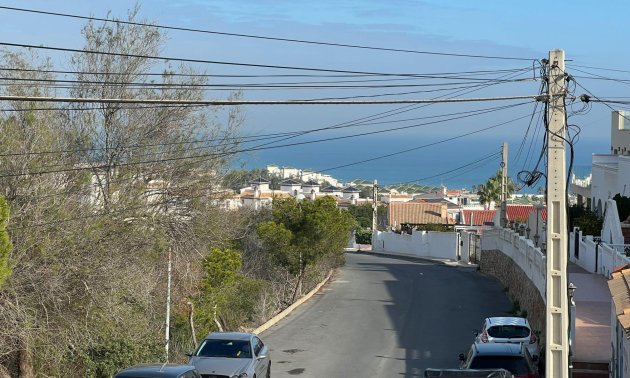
(592, 325)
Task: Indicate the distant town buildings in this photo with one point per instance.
(460, 208)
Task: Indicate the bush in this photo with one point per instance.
(435, 227)
(623, 206)
(363, 236)
(589, 223)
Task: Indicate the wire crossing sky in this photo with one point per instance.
(395, 59)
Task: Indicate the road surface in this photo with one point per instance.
(385, 317)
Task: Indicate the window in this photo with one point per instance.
(225, 348)
(257, 345)
(517, 365)
(508, 332)
(190, 374)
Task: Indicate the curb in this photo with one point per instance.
(271, 322)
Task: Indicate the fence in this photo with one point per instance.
(522, 251)
(443, 245)
(595, 256)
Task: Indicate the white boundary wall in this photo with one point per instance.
(522, 251)
(429, 244)
(601, 257)
(607, 257)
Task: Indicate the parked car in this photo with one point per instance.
(512, 357)
(508, 329)
(457, 373)
(232, 355)
(159, 371)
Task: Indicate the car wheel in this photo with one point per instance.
(269, 370)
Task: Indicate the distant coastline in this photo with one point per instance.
(412, 166)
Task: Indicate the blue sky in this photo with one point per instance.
(592, 34)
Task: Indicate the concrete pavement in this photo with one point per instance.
(384, 317)
(593, 308)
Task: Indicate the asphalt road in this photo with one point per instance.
(384, 317)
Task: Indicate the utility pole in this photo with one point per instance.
(504, 181)
(374, 206)
(168, 304)
(557, 316)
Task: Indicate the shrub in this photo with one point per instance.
(589, 223)
(363, 236)
(623, 206)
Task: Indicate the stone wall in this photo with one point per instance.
(519, 287)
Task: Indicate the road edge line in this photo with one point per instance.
(271, 322)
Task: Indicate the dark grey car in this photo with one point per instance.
(159, 371)
(232, 355)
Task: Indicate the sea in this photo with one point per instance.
(457, 164)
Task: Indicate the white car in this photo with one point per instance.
(232, 355)
(508, 329)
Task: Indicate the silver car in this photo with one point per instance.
(232, 355)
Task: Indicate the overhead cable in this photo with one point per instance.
(178, 28)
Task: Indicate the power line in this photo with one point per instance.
(462, 116)
(50, 83)
(408, 108)
(266, 37)
(434, 75)
(598, 68)
(283, 84)
(253, 138)
(262, 102)
(424, 146)
(256, 148)
(202, 61)
(483, 159)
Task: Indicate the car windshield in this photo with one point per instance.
(225, 348)
(516, 365)
(508, 332)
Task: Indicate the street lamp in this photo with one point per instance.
(572, 288)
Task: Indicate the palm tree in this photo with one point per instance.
(491, 190)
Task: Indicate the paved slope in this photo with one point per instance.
(385, 317)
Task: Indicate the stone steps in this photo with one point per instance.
(590, 369)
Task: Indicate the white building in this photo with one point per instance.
(332, 191)
(351, 193)
(292, 187)
(610, 172)
(395, 196)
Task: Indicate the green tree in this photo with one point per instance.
(623, 206)
(240, 178)
(363, 214)
(304, 232)
(589, 223)
(5, 242)
(490, 191)
(86, 295)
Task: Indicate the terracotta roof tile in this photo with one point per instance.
(520, 212)
(478, 217)
(620, 291)
(417, 213)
